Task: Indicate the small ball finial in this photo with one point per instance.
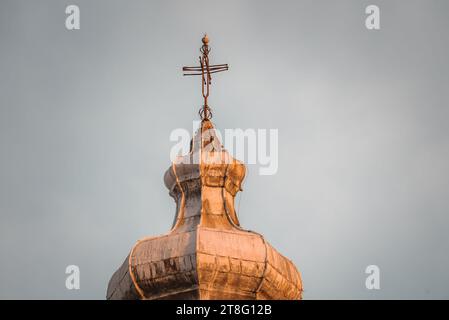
(205, 39)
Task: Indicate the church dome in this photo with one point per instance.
(206, 254)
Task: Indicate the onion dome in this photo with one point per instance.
(206, 254)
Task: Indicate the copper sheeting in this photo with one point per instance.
(206, 255)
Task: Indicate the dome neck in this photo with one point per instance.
(204, 183)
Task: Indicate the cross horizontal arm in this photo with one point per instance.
(198, 74)
(225, 65)
(198, 70)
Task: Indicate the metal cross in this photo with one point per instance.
(205, 70)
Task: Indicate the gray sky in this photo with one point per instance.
(363, 178)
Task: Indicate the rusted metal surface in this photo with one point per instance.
(205, 70)
(206, 255)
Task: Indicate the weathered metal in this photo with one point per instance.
(206, 254)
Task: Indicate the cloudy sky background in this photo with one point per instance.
(85, 119)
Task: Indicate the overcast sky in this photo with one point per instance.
(85, 119)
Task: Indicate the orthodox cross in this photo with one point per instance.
(205, 70)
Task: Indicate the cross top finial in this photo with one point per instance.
(205, 39)
(205, 70)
